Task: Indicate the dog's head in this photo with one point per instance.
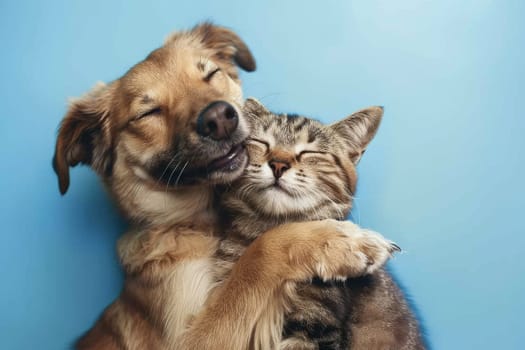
(172, 120)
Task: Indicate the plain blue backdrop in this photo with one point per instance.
(443, 178)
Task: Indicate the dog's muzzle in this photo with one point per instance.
(217, 121)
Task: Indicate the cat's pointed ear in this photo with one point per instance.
(359, 129)
(253, 106)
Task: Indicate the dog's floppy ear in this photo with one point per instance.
(84, 135)
(226, 44)
(359, 129)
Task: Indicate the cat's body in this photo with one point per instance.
(300, 170)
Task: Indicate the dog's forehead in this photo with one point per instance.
(163, 63)
(169, 67)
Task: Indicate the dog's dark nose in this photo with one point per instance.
(278, 167)
(218, 120)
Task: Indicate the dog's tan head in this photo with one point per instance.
(172, 121)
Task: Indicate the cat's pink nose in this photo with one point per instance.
(279, 167)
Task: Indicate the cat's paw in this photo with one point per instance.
(353, 251)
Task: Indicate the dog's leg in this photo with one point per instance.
(293, 252)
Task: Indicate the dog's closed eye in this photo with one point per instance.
(151, 112)
(210, 75)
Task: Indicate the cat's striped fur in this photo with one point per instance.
(318, 182)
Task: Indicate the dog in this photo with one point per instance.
(161, 137)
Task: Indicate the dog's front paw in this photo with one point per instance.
(371, 247)
(354, 251)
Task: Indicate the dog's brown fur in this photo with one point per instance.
(132, 132)
(141, 156)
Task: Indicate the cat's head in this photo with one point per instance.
(300, 168)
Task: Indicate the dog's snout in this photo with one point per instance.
(218, 120)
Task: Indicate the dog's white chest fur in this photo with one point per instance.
(189, 285)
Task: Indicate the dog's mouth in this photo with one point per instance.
(222, 170)
(219, 170)
(229, 162)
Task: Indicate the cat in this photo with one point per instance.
(302, 170)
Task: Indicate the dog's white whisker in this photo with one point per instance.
(180, 174)
(171, 175)
(167, 166)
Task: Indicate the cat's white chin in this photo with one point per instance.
(277, 200)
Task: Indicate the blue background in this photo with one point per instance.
(443, 178)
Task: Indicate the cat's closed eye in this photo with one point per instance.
(315, 157)
(252, 140)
